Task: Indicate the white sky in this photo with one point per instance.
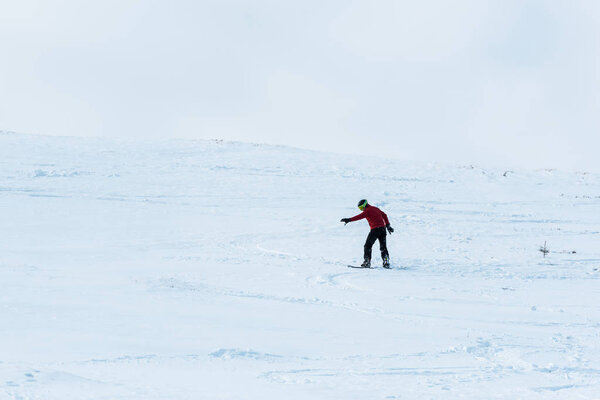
(505, 82)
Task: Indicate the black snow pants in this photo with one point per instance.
(376, 234)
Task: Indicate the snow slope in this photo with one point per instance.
(211, 270)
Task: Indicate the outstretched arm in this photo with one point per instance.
(358, 217)
(355, 218)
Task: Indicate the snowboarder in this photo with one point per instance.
(378, 222)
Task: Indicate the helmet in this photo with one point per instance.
(362, 204)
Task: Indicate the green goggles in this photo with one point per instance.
(362, 206)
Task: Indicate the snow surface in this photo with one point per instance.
(213, 270)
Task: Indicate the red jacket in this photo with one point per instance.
(374, 215)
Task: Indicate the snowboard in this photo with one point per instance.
(359, 267)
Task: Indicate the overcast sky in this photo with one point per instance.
(502, 83)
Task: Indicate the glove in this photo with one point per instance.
(389, 228)
(345, 220)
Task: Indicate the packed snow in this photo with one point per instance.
(212, 270)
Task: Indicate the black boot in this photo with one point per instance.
(386, 261)
(366, 263)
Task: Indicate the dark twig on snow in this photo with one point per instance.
(544, 249)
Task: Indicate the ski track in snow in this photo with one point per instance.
(203, 269)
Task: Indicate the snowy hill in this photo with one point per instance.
(213, 270)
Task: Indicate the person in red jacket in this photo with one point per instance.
(378, 222)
